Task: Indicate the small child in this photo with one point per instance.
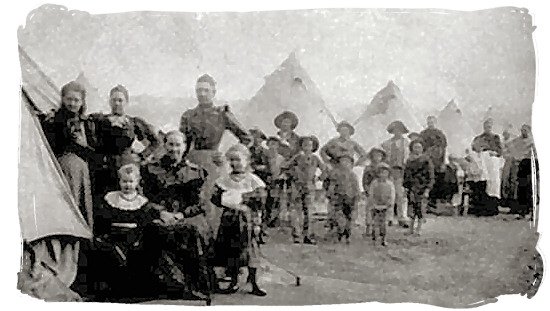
(376, 156)
(343, 193)
(303, 167)
(382, 198)
(418, 179)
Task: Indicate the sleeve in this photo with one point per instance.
(392, 194)
(367, 179)
(233, 125)
(498, 143)
(324, 151)
(476, 144)
(184, 128)
(407, 177)
(145, 130)
(216, 198)
(443, 139)
(371, 189)
(361, 152)
(102, 219)
(193, 202)
(431, 174)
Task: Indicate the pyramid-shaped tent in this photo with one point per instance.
(386, 106)
(290, 88)
(459, 133)
(94, 100)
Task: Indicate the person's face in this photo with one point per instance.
(205, 92)
(376, 157)
(344, 132)
(286, 125)
(307, 146)
(431, 122)
(72, 101)
(525, 131)
(117, 101)
(488, 127)
(384, 174)
(237, 162)
(417, 148)
(175, 147)
(129, 183)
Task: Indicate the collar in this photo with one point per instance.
(116, 200)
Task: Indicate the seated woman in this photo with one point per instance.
(121, 266)
(240, 194)
(182, 240)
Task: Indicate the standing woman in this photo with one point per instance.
(117, 133)
(240, 194)
(523, 150)
(71, 136)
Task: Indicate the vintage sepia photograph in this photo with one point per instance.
(278, 158)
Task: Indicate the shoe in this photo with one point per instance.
(384, 242)
(310, 241)
(230, 290)
(296, 240)
(256, 291)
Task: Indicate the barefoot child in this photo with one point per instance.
(381, 198)
(418, 179)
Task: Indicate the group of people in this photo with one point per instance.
(163, 220)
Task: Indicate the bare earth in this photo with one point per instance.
(457, 261)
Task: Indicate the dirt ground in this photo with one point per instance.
(457, 261)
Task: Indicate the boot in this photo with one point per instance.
(418, 227)
(255, 288)
(384, 240)
(310, 240)
(233, 286)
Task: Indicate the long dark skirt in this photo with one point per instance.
(524, 204)
(235, 247)
(481, 204)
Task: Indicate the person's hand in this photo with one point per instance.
(427, 193)
(178, 216)
(167, 218)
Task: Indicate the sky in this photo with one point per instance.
(482, 58)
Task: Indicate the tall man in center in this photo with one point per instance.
(203, 127)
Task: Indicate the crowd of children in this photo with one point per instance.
(397, 180)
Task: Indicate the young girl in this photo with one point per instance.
(121, 261)
(418, 180)
(381, 199)
(241, 195)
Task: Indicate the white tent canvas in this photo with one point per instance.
(458, 132)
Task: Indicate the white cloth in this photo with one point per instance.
(491, 168)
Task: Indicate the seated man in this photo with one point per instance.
(182, 239)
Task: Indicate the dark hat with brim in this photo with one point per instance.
(313, 139)
(256, 132)
(397, 126)
(286, 115)
(379, 150)
(345, 124)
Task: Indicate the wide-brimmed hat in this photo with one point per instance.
(286, 115)
(397, 126)
(379, 150)
(257, 132)
(345, 124)
(313, 139)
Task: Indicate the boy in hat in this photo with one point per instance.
(418, 180)
(287, 122)
(343, 192)
(377, 156)
(344, 141)
(397, 152)
(303, 168)
(382, 198)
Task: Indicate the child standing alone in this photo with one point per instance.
(381, 198)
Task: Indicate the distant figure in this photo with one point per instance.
(344, 141)
(523, 149)
(287, 122)
(488, 141)
(377, 157)
(382, 198)
(435, 143)
(397, 150)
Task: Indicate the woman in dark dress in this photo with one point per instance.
(71, 136)
(120, 261)
(117, 133)
(182, 241)
(241, 195)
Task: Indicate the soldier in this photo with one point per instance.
(203, 127)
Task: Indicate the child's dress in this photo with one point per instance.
(236, 245)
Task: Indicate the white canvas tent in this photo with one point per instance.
(458, 132)
(94, 100)
(386, 106)
(50, 220)
(290, 87)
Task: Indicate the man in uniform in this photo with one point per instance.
(203, 127)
